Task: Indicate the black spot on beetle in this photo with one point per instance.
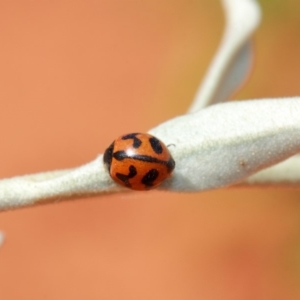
(156, 145)
(125, 178)
(120, 155)
(136, 142)
(108, 155)
(170, 164)
(150, 177)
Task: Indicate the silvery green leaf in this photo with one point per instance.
(87, 180)
(218, 146)
(225, 143)
(231, 63)
(284, 174)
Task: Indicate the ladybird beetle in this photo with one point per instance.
(138, 161)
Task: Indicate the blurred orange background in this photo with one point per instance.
(76, 74)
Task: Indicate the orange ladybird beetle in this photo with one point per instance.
(138, 161)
